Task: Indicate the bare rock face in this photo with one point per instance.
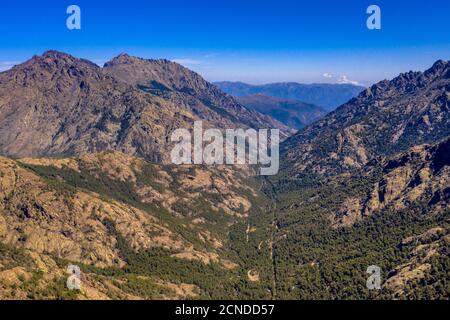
(69, 225)
(388, 118)
(72, 223)
(55, 104)
(421, 174)
(348, 214)
(101, 209)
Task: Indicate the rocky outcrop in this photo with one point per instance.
(70, 224)
(92, 210)
(419, 175)
(41, 277)
(53, 214)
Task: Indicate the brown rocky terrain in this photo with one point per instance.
(53, 209)
(432, 244)
(58, 105)
(187, 89)
(26, 274)
(387, 118)
(85, 181)
(421, 174)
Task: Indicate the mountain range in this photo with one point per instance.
(368, 185)
(327, 96)
(387, 118)
(55, 104)
(392, 214)
(85, 180)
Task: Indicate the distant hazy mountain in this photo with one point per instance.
(328, 96)
(295, 114)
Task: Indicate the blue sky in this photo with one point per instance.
(256, 41)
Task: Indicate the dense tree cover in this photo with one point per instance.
(436, 284)
(315, 261)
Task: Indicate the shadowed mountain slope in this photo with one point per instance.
(387, 118)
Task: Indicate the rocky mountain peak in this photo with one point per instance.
(139, 71)
(55, 104)
(408, 82)
(387, 118)
(440, 68)
(126, 59)
(123, 59)
(52, 69)
(180, 85)
(440, 64)
(57, 54)
(61, 59)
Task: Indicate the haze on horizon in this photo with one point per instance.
(251, 41)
